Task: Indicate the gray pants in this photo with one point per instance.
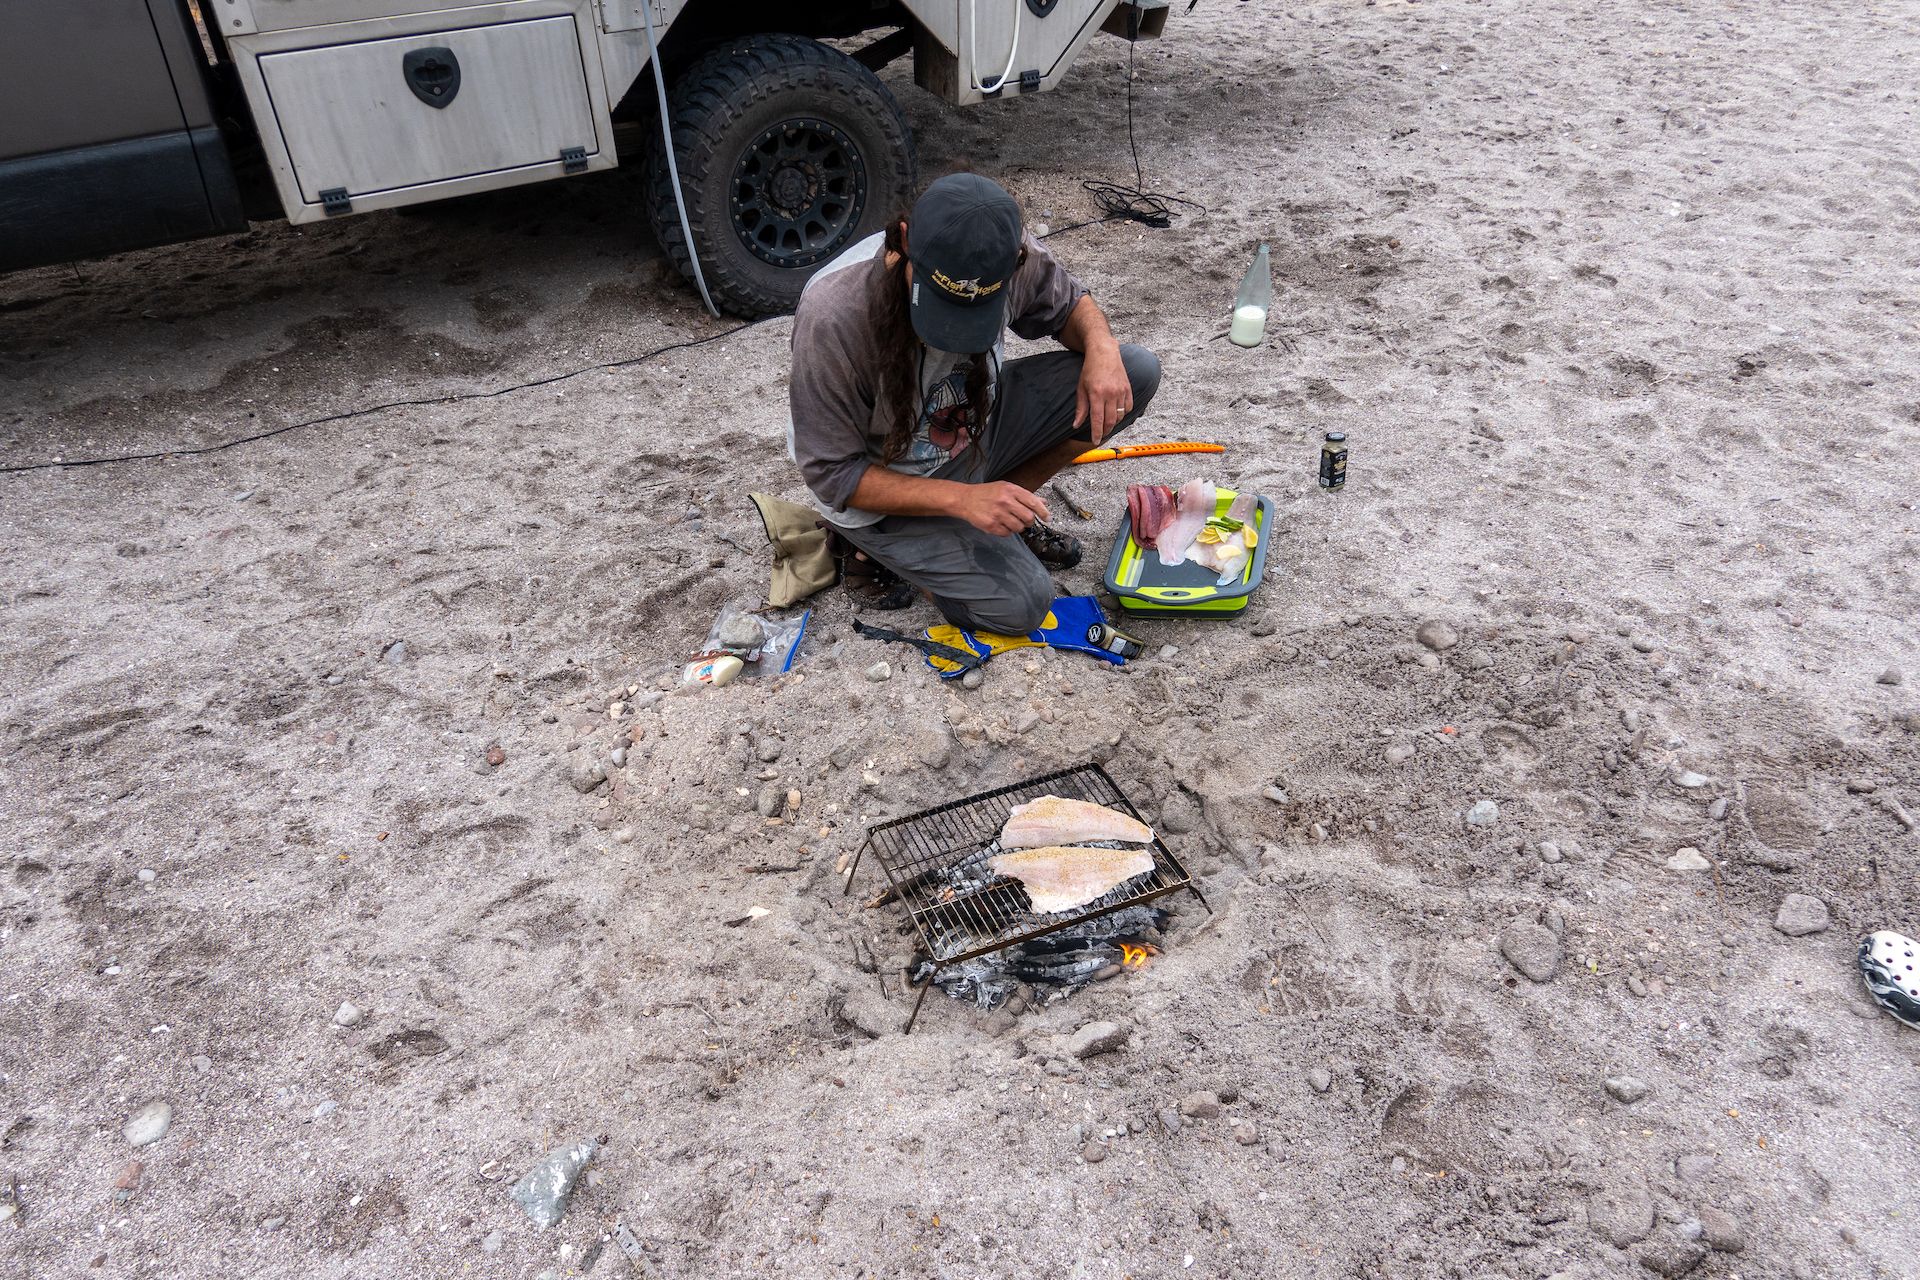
(981, 581)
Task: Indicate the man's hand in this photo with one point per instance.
(998, 508)
(1105, 394)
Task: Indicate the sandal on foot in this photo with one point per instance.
(871, 584)
(1052, 548)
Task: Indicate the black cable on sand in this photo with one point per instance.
(1118, 202)
(451, 398)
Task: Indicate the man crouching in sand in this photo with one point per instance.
(922, 443)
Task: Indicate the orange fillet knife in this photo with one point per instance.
(1147, 451)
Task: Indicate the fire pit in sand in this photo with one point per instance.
(978, 933)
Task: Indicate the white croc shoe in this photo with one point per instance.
(1890, 962)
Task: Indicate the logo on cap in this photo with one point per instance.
(965, 291)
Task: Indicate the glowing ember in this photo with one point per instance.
(1135, 955)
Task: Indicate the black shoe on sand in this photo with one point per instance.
(1055, 549)
(872, 585)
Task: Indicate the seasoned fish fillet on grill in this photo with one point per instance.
(1061, 879)
(1056, 820)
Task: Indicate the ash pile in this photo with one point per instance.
(1055, 965)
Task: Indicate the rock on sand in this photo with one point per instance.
(1719, 1229)
(1688, 859)
(1532, 949)
(148, 1125)
(1097, 1038)
(1672, 1258)
(1203, 1104)
(1628, 1089)
(543, 1192)
(1800, 915)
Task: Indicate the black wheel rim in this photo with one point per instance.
(798, 192)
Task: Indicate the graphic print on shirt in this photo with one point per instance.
(946, 423)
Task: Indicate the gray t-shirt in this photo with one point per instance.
(839, 428)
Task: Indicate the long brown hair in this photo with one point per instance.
(899, 388)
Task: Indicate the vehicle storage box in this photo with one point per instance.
(383, 112)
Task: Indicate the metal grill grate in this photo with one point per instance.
(936, 865)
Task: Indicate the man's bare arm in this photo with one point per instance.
(996, 508)
(890, 493)
(1105, 394)
(1087, 330)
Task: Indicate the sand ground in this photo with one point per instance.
(1617, 305)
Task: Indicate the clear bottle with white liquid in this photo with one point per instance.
(1250, 305)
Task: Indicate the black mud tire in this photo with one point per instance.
(767, 101)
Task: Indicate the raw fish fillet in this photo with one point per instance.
(1194, 508)
(1158, 505)
(1225, 558)
(1228, 556)
(1059, 879)
(1149, 508)
(1057, 820)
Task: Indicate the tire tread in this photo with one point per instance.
(708, 99)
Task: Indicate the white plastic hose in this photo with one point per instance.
(673, 169)
(973, 46)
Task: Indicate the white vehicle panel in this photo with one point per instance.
(336, 113)
(351, 122)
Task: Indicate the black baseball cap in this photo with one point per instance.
(963, 238)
